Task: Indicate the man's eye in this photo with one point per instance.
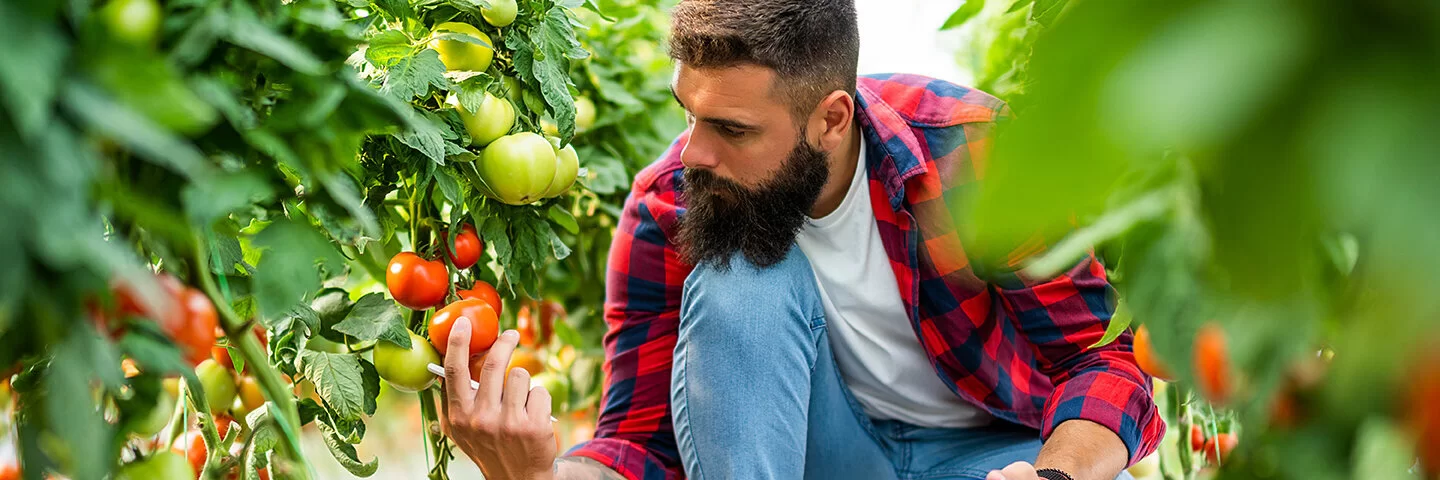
(730, 132)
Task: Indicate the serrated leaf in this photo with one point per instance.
(339, 380)
(412, 76)
(564, 219)
(375, 317)
(547, 235)
(387, 48)
(226, 255)
(463, 37)
(345, 453)
(399, 9)
(425, 137)
(966, 11)
(341, 187)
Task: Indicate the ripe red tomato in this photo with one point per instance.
(1212, 364)
(222, 354)
(484, 325)
(1146, 358)
(1422, 418)
(192, 446)
(9, 471)
(415, 282)
(1197, 437)
(468, 248)
(483, 291)
(195, 333)
(1221, 445)
(536, 327)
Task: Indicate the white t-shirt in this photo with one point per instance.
(877, 351)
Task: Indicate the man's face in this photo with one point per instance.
(750, 174)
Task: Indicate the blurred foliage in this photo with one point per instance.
(1264, 166)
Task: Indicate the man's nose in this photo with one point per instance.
(696, 154)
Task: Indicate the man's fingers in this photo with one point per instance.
(517, 388)
(1020, 471)
(492, 372)
(457, 368)
(538, 405)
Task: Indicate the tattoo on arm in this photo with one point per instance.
(581, 468)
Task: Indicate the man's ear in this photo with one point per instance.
(832, 118)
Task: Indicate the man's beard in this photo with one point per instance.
(722, 217)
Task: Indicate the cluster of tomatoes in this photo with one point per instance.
(419, 284)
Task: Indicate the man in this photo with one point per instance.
(788, 297)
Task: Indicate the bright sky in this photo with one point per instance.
(902, 36)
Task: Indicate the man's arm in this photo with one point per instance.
(1085, 450)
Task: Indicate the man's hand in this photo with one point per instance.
(504, 427)
(1015, 471)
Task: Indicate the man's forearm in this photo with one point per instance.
(581, 468)
(1085, 450)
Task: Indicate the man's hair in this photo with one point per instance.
(812, 45)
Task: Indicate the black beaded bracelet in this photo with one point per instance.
(1053, 474)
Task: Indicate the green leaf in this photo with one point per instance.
(1119, 321)
(28, 75)
(463, 37)
(413, 75)
(425, 137)
(151, 141)
(227, 255)
(213, 197)
(1112, 225)
(345, 453)
(548, 236)
(246, 31)
(445, 179)
(966, 11)
(564, 219)
(339, 380)
(342, 188)
(375, 317)
(388, 48)
(590, 4)
(152, 352)
(1019, 4)
(287, 271)
(72, 416)
(568, 335)
(400, 9)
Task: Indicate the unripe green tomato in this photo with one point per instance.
(567, 166)
(584, 114)
(405, 368)
(493, 120)
(163, 465)
(514, 91)
(518, 168)
(559, 389)
(156, 418)
(219, 384)
(500, 13)
(132, 21)
(459, 54)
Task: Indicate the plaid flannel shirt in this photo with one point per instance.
(1015, 348)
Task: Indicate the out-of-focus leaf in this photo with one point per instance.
(963, 14)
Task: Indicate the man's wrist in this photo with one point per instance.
(1053, 474)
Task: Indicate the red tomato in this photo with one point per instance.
(485, 326)
(1212, 364)
(536, 322)
(191, 445)
(1422, 419)
(9, 471)
(468, 248)
(415, 282)
(483, 291)
(1218, 448)
(195, 332)
(1146, 358)
(1197, 438)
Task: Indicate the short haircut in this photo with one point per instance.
(812, 45)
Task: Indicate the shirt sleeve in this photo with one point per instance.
(635, 432)
(1062, 317)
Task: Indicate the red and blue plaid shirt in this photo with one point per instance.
(1016, 348)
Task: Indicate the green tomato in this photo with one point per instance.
(132, 21)
(460, 54)
(157, 418)
(518, 168)
(219, 384)
(558, 387)
(163, 465)
(500, 12)
(567, 166)
(584, 114)
(494, 119)
(404, 368)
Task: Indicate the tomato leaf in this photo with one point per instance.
(27, 85)
(146, 138)
(287, 270)
(146, 345)
(564, 219)
(69, 409)
(216, 196)
(1119, 322)
(375, 317)
(246, 31)
(227, 256)
(567, 334)
(413, 75)
(341, 382)
(400, 9)
(449, 185)
(345, 453)
(590, 4)
(966, 11)
(425, 137)
(388, 48)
